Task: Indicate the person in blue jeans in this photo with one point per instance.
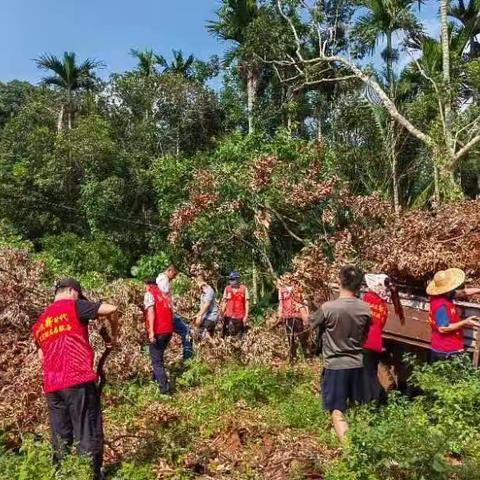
(179, 325)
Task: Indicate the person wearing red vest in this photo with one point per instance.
(235, 307)
(158, 315)
(293, 312)
(447, 326)
(69, 380)
(376, 297)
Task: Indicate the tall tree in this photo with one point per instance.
(69, 78)
(233, 19)
(147, 61)
(468, 14)
(179, 64)
(447, 154)
(384, 18)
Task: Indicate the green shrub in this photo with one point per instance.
(133, 471)
(198, 373)
(94, 260)
(150, 265)
(260, 384)
(34, 461)
(432, 437)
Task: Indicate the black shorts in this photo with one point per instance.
(339, 387)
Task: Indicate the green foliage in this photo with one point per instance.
(69, 254)
(255, 385)
(34, 461)
(151, 266)
(434, 436)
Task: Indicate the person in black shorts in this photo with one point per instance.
(344, 325)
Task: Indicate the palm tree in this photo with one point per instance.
(179, 64)
(233, 20)
(68, 77)
(469, 18)
(384, 18)
(147, 61)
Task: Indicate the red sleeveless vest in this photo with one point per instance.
(290, 307)
(379, 310)
(163, 324)
(445, 342)
(236, 299)
(67, 353)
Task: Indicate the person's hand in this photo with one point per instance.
(198, 320)
(245, 320)
(473, 322)
(151, 337)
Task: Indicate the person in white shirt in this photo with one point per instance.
(179, 326)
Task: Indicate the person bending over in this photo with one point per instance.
(69, 380)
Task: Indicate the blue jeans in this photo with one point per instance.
(157, 353)
(182, 329)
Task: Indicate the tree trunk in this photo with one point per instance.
(254, 281)
(395, 180)
(391, 80)
(252, 83)
(449, 189)
(69, 109)
(446, 70)
(60, 118)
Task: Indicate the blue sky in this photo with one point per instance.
(108, 29)
(103, 29)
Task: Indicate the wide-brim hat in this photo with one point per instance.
(446, 281)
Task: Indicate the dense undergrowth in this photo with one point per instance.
(243, 422)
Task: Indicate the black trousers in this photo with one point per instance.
(294, 332)
(157, 354)
(232, 327)
(76, 418)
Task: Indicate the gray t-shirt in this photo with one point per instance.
(344, 325)
(208, 297)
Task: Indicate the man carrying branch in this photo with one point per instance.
(69, 380)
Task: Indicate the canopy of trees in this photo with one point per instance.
(320, 103)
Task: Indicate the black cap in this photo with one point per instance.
(70, 283)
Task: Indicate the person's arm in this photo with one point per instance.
(247, 307)
(444, 324)
(453, 327)
(305, 314)
(110, 314)
(203, 310)
(317, 319)
(150, 323)
(280, 304)
(467, 293)
(223, 304)
(40, 355)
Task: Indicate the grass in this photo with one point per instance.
(241, 422)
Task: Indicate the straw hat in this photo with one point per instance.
(445, 281)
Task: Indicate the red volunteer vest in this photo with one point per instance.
(290, 307)
(67, 353)
(163, 324)
(236, 299)
(445, 342)
(379, 310)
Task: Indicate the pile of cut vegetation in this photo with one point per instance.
(24, 294)
(410, 248)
